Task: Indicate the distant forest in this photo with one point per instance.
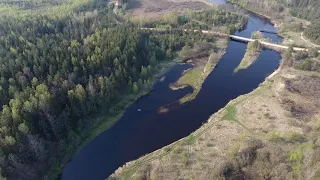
(305, 9)
(61, 61)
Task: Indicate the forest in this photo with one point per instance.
(313, 32)
(61, 62)
(304, 9)
(217, 19)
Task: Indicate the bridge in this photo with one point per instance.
(237, 38)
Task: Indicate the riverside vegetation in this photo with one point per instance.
(68, 69)
(272, 132)
(204, 57)
(252, 53)
(293, 17)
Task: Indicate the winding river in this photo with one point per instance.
(141, 132)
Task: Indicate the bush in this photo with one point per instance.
(295, 137)
(274, 136)
(306, 65)
(313, 52)
(301, 55)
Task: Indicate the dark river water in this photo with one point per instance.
(141, 132)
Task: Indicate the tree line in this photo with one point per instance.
(305, 9)
(216, 18)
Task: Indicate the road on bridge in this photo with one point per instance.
(238, 38)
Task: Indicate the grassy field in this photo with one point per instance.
(257, 135)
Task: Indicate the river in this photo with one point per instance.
(140, 132)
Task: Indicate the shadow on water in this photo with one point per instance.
(140, 132)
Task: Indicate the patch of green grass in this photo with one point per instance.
(289, 137)
(189, 97)
(196, 76)
(185, 159)
(192, 77)
(296, 159)
(274, 136)
(191, 139)
(231, 113)
(249, 58)
(294, 137)
(234, 149)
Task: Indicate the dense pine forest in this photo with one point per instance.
(61, 62)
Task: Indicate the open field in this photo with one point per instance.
(155, 8)
(272, 132)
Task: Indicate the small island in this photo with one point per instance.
(251, 55)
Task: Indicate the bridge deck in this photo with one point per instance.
(238, 38)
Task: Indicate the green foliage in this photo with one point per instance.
(294, 137)
(231, 114)
(204, 19)
(254, 46)
(9, 140)
(295, 27)
(257, 35)
(215, 18)
(305, 9)
(135, 88)
(288, 53)
(171, 18)
(308, 65)
(313, 52)
(301, 55)
(274, 136)
(185, 51)
(23, 128)
(191, 139)
(313, 32)
(296, 158)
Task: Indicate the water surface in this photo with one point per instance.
(140, 132)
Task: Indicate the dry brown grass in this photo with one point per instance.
(262, 140)
(155, 8)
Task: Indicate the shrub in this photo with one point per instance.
(274, 136)
(295, 137)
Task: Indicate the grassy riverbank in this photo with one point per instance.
(256, 135)
(251, 55)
